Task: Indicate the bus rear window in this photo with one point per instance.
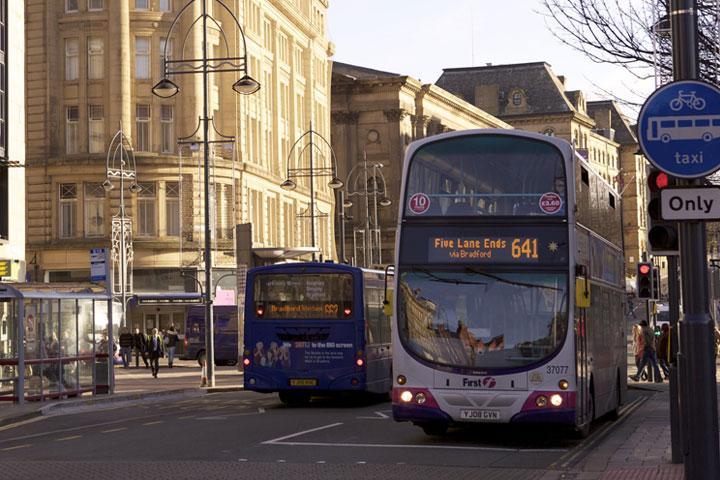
(303, 296)
(486, 175)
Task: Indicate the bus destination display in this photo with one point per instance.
(490, 249)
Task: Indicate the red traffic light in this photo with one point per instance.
(644, 269)
(658, 181)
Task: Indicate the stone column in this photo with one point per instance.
(120, 80)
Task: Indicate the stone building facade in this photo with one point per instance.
(90, 70)
(530, 96)
(375, 116)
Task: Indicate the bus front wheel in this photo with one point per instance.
(435, 429)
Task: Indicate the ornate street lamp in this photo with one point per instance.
(367, 181)
(120, 165)
(166, 88)
(312, 172)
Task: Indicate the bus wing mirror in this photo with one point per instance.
(387, 303)
(387, 296)
(582, 287)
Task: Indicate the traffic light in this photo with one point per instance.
(656, 283)
(644, 280)
(662, 235)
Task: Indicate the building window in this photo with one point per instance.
(95, 4)
(71, 59)
(284, 49)
(3, 89)
(172, 209)
(142, 128)
(166, 126)
(94, 210)
(96, 129)
(96, 58)
(162, 55)
(142, 57)
(4, 202)
(517, 98)
(68, 209)
(166, 5)
(142, 4)
(72, 118)
(71, 6)
(146, 210)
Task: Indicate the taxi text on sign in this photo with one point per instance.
(679, 128)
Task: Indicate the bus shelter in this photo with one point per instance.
(55, 341)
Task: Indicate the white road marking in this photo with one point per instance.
(378, 416)
(293, 435)
(152, 423)
(361, 463)
(16, 447)
(242, 460)
(320, 461)
(430, 447)
(72, 437)
(281, 461)
(24, 422)
(281, 441)
(114, 430)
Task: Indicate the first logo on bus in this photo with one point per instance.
(679, 128)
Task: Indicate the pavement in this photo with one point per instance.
(324, 441)
(132, 385)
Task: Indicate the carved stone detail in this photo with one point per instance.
(395, 114)
(345, 118)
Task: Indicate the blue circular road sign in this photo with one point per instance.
(679, 128)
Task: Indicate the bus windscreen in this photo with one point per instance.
(303, 296)
(486, 175)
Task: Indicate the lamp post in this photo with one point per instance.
(312, 172)
(372, 237)
(120, 165)
(166, 88)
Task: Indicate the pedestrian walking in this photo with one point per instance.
(638, 346)
(663, 350)
(140, 348)
(155, 350)
(126, 344)
(649, 354)
(171, 340)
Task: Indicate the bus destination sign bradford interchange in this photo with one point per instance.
(679, 128)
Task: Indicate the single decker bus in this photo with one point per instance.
(509, 284)
(315, 329)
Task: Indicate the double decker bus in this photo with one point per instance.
(314, 329)
(509, 284)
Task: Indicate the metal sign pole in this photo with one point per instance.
(696, 356)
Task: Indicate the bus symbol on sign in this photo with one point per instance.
(419, 203)
(679, 128)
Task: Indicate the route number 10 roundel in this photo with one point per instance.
(419, 203)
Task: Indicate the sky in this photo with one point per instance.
(421, 37)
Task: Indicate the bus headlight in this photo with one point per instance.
(246, 362)
(420, 398)
(556, 399)
(406, 396)
(563, 384)
(541, 401)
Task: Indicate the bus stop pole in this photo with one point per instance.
(21, 344)
(674, 311)
(702, 451)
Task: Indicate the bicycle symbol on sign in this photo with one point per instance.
(690, 99)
